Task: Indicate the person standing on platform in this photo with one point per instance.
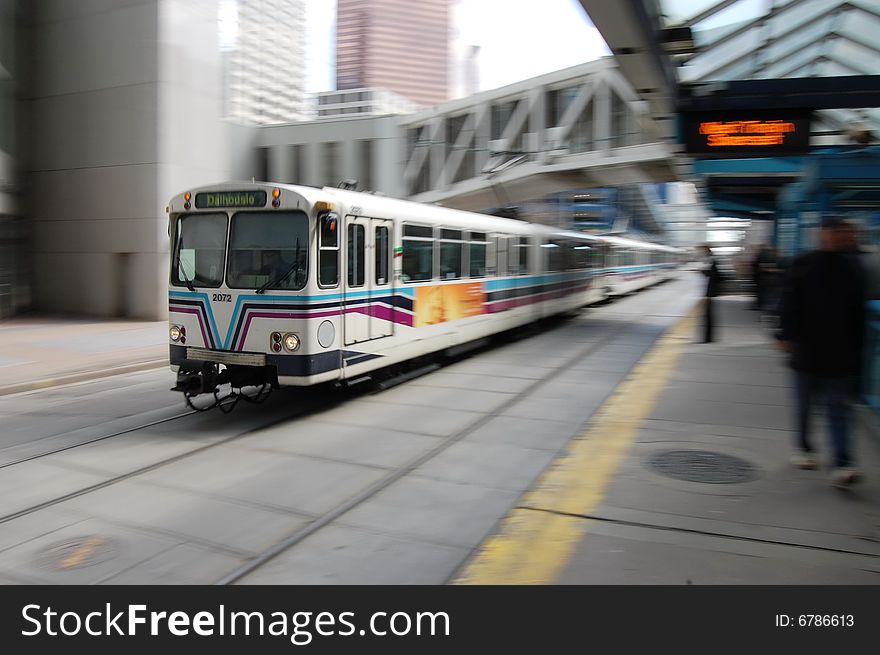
(870, 261)
(822, 326)
(760, 264)
(713, 287)
(870, 266)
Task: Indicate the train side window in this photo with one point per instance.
(478, 254)
(501, 255)
(581, 256)
(491, 259)
(554, 259)
(382, 257)
(328, 251)
(418, 253)
(356, 258)
(524, 247)
(512, 256)
(451, 254)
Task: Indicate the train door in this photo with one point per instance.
(367, 287)
(501, 256)
(356, 285)
(382, 306)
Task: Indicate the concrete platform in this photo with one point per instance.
(41, 352)
(630, 522)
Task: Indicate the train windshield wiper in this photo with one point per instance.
(278, 280)
(178, 264)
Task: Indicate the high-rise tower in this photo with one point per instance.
(400, 45)
(266, 73)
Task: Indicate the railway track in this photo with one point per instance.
(310, 402)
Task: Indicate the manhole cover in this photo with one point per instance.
(76, 552)
(703, 466)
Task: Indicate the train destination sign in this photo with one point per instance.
(747, 133)
(221, 199)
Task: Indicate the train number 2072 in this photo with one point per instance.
(222, 297)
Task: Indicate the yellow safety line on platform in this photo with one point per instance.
(536, 539)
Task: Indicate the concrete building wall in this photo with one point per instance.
(14, 261)
(124, 111)
(377, 167)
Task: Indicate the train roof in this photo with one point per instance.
(634, 243)
(380, 206)
(415, 211)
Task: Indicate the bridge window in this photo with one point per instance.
(418, 253)
(451, 254)
(558, 101)
(478, 254)
(581, 136)
(501, 114)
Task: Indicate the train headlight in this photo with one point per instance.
(291, 342)
(175, 333)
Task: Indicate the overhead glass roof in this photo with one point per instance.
(752, 39)
(772, 39)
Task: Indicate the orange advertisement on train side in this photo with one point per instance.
(439, 303)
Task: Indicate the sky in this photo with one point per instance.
(518, 39)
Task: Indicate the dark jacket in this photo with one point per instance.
(713, 285)
(823, 314)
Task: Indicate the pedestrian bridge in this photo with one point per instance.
(579, 127)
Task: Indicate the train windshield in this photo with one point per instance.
(268, 250)
(199, 251)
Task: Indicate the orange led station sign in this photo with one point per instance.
(747, 135)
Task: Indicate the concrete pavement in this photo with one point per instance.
(40, 352)
(683, 477)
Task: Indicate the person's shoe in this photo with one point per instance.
(844, 476)
(805, 461)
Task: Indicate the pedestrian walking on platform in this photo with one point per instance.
(713, 287)
(822, 326)
(869, 260)
(760, 276)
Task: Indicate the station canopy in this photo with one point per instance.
(779, 39)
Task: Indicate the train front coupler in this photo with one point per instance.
(195, 377)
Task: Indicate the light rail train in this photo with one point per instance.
(274, 285)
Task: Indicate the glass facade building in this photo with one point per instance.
(398, 45)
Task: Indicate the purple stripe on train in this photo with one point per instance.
(192, 310)
(382, 312)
